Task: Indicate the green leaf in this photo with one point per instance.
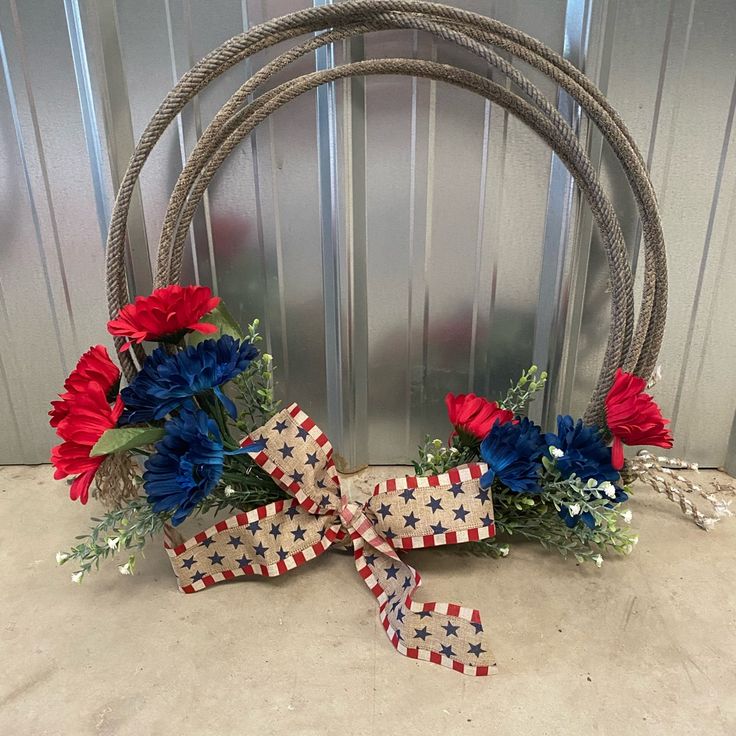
(126, 438)
(225, 323)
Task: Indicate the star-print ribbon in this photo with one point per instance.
(403, 513)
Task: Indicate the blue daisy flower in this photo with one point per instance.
(187, 463)
(513, 453)
(167, 381)
(583, 451)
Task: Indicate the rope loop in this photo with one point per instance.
(632, 344)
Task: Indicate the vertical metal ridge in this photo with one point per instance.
(279, 241)
(698, 297)
(662, 192)
(498, 209)
(192, 59)
(412, 248)
(267, 330)
(118, 123)
(483, 188)
(420, 228)
(561, 393)
(180, 133)
(328, 209)
(428, 231)
(550, 320)
(12, 100)
(90, 122)
(354, 157)
(664, 59)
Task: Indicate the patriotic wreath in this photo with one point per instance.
(197, 428)
(187, 436)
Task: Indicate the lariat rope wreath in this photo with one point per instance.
(402, 513)
(188, 401)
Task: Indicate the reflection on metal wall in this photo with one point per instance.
(399, 237)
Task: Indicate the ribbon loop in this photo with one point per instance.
(403, 513)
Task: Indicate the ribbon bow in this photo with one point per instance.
(402, 513)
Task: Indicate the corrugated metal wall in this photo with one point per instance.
(400, 238)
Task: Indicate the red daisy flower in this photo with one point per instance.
(473, 415)
(633, 417)
(95, 365)
(89, 416)
(165, 316)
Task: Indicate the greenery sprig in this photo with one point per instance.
(521, 393)
(254, 389)
(125, 528)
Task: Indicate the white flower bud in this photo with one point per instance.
(125, 569)
(267, 357)
(556, 451)
(430, 458)
(598, 560)
(229, 490)
(574, 509)
(61, 558)
(504, 550)
(626, 516)
(77, 577)
(112, 542)
(454, 451)
(608, 488)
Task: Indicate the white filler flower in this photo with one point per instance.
(77, 577)
(61, 557)
(608, 488)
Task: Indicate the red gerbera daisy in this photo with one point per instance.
(633, 417)
(94, 365)
(473, 415)
(165, 316)
(89, 416)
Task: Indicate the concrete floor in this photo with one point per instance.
(645, 645)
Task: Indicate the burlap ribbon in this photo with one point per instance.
(403, 513)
